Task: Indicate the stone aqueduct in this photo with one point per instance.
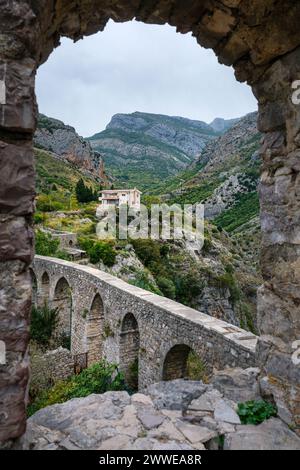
(107, 317)
(261, 40)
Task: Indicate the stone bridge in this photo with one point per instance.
(107, 317)
(261, 40)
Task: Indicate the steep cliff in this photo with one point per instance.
(62, 140)
(143, 148)
(224, 177)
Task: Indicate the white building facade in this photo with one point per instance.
(117, 197)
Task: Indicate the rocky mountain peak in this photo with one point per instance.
(62, 140)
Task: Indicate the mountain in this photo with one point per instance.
(224, 177)
(63, 141)
(142, 148)
(222, 125)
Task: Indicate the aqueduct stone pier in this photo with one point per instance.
(261, 40)
(108, 318)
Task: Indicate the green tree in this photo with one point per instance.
(44, 320)
(45, 245)
(84, 193)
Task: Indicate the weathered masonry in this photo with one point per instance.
(261, 40)
(107, 317)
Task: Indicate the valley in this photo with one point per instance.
(219, 166)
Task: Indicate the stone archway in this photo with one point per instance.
(129, 350)
(182, 362)
(261, 40)
(45, 289)
(62, 300)
(94, 330)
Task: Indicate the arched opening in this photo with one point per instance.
(71, 243)
(34, 287)
(263, 44)
(62, 300)
(94, 332)
(45, 288)
(129, 351)
(182, 362)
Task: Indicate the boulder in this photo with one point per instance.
(238, 385)
(270, 435)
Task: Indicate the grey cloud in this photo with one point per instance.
(135, 67)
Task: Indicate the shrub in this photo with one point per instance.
(255, 412)
(188, 285)
(84, 193)
(39, 218)
(44, 321)
(196, 369)
(148, 251)
(227, 281)
(142, 280)
(98, 251)
(104, 252)
(45, 245)
(46, 204)
(167, 287)
(99, 378)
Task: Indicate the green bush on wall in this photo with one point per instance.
(44, 321)
(99, 378)
(99, 251)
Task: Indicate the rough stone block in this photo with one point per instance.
(17, 178)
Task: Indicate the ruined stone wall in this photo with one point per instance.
(51, 366)
(261, 39)
(161, 323)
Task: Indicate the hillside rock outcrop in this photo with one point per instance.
(150, 145)
(176, 415)
(62, 140)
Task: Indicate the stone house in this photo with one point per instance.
(131, 197)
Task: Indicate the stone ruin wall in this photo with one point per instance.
(261, 39)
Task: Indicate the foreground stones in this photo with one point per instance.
(198, 417)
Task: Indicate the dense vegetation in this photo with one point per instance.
(246, 207)
(99, 378)
(99, 251)
(85, 193)
(44, 321)
(46, 245)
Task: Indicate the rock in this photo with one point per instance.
(149, 419)
(224, 412)
(270, 435)
(139, 398)
(196, 433)
(175, 395)
(111, 421)
(168, 143)
(272, 391)
(237, 384)
(206, 402)
(55, 136)
(167, 431)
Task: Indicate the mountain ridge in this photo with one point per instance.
(142, 148)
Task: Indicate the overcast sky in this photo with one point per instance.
(137, 67)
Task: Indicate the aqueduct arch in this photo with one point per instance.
(129, 350)
(45, 289)
(175, 363)
(95, 330)
(62, 300)
(261, 39)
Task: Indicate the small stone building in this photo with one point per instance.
(131, 197)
